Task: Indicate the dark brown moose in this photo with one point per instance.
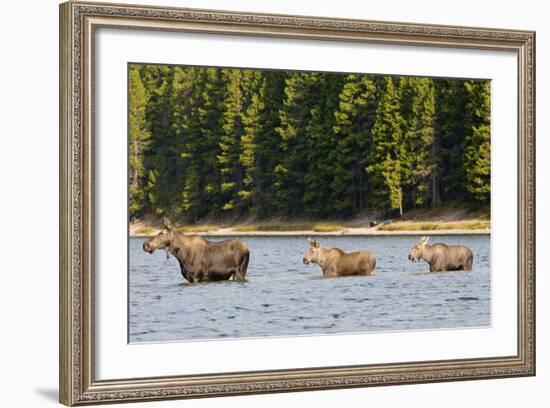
(335, 262)
(201, 260)
(442, 257)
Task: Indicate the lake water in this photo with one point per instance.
(284, 297)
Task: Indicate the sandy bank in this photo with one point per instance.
(227, 232)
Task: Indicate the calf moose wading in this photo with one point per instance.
(442, 257)
(201, 260)
(335, 262)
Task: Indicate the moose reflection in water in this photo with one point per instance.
(335, 262)
(442, 257)
(201, 260)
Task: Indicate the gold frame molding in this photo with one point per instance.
(78, 22)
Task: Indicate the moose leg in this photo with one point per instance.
(196, 276)
(188, 277)
(241, 268)
(330, 272)
(369, 268)
(369, 272)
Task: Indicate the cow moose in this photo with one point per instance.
(335, 262)
(442, 257)
(201, 260)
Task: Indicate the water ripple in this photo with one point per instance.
(282, 294)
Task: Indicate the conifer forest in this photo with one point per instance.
(209, 143)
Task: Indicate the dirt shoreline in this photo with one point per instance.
(229, 232)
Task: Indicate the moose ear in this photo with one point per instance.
(313, 242)
(167, 223)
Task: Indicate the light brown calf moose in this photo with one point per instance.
(442, 257)
(335, 262)
(201, 260)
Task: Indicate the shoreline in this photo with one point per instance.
(229, 232)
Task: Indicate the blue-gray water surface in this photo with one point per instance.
(284, 297)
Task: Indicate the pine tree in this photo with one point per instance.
(418, 110)
(211, 114)
(233, 129)
(200, 186)
(477, 153)
(186, 129)
(139, 136)
(268, 150)
(159, 158)
(387, 150)
(208, 142)
(450, 99)
(252, 120)
(320, 141)
(354, 121)
(295, 117)
(200, 193)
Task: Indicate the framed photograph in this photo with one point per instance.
(255, 203)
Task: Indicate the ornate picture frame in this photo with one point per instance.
(78, 24)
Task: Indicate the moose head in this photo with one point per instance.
(417, 251)
(163, 239)
(312, 256)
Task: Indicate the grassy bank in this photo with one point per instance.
(435, 226)
(149, 230)
(286, 226)
(261, 227)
